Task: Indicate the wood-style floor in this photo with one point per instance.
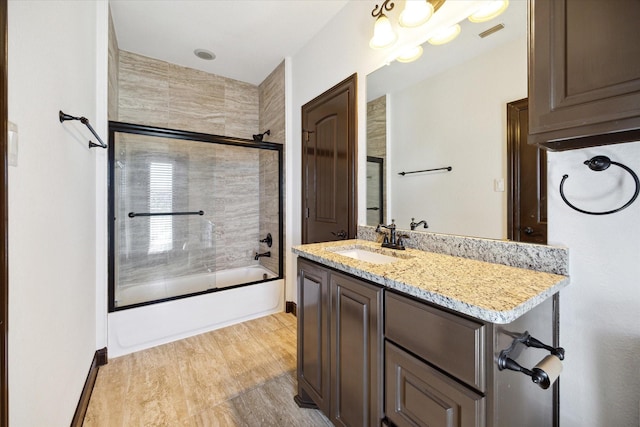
(242, 375)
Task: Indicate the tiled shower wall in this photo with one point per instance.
(157, 93)
(272, 118)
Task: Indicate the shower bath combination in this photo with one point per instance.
(179, 234)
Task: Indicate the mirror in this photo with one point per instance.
(448, 109)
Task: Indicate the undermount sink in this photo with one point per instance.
(367, 256)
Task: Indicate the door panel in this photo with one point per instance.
(329, 165)
(356, 351)
(419, 395)
(313, 335)
(327, 168)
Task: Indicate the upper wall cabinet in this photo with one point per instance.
(584, 73)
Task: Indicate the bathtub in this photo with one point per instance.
(147, 326)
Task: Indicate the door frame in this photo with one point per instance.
(349, 84)
(514, 175)
(513, 169)
(4, 232)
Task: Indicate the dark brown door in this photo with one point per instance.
(527, 173)
(4, 256)
(329, 165)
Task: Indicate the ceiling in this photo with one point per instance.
(249, 37)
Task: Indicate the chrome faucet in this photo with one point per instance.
(393, 239)
(415, 225)
(265, 254)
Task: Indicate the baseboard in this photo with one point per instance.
(291, 307)
(99, 359)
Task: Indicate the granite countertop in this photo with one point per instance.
(491, 292)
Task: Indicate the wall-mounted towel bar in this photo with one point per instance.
(135, 214)
(598, 164)
(448, 168)
(64, 117)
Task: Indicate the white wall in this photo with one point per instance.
(457, 118)
(52, 207)
(600, 310)
(599, 320)
(335, 53)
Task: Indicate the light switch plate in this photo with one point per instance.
(498, 185)
(12, 142)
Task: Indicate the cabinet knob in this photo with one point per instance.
(528, 230)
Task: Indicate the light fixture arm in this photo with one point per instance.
(378, 11)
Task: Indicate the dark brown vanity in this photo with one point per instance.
(369, 355)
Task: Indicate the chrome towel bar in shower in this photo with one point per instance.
(598, 164)
(135, 214)
(64, 117)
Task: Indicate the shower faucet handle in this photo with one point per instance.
(268, 240)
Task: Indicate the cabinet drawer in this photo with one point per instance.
(419, 395)
(452, 343)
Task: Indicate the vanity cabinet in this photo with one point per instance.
(371, 356)
(356, 352)
(429, 352)
(313, 336)
(441, 369)
(419, 395)
(584, 73)
(339, 345)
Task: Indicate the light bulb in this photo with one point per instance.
(383, 34)
(416, 13)
(489, 11)
(410, 55)
(446, 35)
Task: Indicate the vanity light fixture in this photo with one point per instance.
(445, 35)
(489, 11)
(383, 34)
(410, 55)
(415, 14)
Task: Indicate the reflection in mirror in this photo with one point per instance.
(449, 109)
(377, 149)
(375, 198)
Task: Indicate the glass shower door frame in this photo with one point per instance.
(129, 128)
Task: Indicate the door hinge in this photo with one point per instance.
(306, 213)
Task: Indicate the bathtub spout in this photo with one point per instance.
(266, 254)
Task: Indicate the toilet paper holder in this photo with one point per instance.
(538, 374)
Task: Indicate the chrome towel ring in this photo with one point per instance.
(598, 164)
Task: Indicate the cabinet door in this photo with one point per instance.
(419, 395)
(584, 73)
(356, 355)
(313, 335)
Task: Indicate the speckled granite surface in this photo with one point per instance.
(550, 259)
(488, 291)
